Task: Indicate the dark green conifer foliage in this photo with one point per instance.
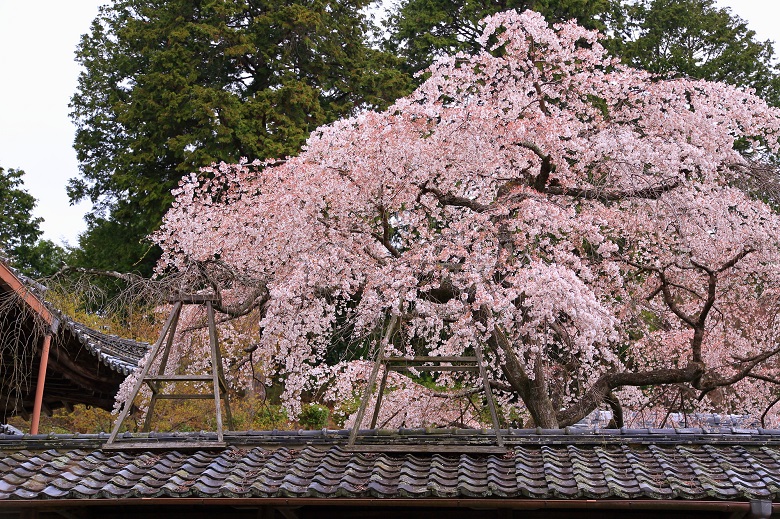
(692, 38)
(421, 30)
(696, 38)
(20, 231)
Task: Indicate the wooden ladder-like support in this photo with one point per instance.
(474, 364)
(156, 382)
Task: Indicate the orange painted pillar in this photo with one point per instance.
(36, 416)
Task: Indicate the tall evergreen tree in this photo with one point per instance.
(172, 85)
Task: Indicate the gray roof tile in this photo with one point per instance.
(538, 465)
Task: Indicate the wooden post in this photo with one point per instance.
(161, 371)
(380, 358)
(37, 306)
(216, 367)
(379, 397)
(36, 416)
(488, 394)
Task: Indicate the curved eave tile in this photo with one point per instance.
(100, 345)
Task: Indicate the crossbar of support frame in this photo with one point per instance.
(465, 363)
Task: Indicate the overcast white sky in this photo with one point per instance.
(38, 76)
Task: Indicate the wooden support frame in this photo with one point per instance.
(422, 363)
(380, 360)
(156, 382)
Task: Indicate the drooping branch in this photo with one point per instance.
(384, 238)
(137, 290)
(766, 411)
(224, 276)
(602, 195)
(698, 321)
(495, 384)
(213, 273)
(712, 281)
(542, 101)
(545, 169)
(255, 299)
(727, 265)
(757, 376)
(512, 368)
(128, 277)
(505, 196)
(760, 178)
(714, 380)
(670, 301)
(535, 148)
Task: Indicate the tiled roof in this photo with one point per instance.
(119, 354)
(690, 464)
(85, 365)
(9, 429)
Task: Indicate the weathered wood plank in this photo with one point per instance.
(120, 445)
(429, 447)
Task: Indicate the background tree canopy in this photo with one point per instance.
(20, 231)
(694, 38)
(172, 85)
(422, 30)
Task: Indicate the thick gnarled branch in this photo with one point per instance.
(600, 390)
(612, 195)
(448, 199)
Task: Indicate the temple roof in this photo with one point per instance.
(85, 365)
(120, 354)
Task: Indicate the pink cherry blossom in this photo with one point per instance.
(599, 232)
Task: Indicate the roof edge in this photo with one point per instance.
(400, 438)
(507, 503)
(10, 278)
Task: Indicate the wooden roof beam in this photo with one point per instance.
(15, 284)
